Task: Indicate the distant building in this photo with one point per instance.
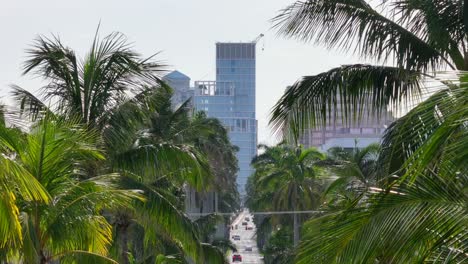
(195, 203)
(231, 99)
(181, 85)
(347, 135)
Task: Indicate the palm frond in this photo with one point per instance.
(438, 23)
(160, 217)
(213, 254)
(348, 23)
(29, 105)
(181, 162)
(404, 225)
(428, 128)
(310, 102)
(109, 74)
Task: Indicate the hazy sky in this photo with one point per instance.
(184, 31)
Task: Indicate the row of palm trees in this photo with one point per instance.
(414, 210)
(95, 167)
(305, 183)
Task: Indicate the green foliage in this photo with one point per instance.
(411, 35)
(355, 89)
(355, 170)
(86, 88)
(69, 224)
(280, 248)
(286, 179)
(116, 97)
(414, 208)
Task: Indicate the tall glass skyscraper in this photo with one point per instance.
(231, 98)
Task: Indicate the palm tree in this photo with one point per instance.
(412, 37)
(280, 248)
(16, 183)
(115, 92)
(68, 225)
(91, 88)
(356, 169)
(418, 211)
(289, 176)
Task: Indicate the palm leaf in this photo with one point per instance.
(348, 23)
(438, 23)
(168, 160)
(30, 105)
(310, 102)
(406, 225)
(159, 216)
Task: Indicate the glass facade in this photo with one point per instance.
(232, 100)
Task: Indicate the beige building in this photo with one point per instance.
(354, 133)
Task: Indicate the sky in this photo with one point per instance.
(182, 32)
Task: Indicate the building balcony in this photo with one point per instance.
(213, 88)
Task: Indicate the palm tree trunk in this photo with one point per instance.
(296, 229)
(295, 220)
(465, 15)
(122, 231)
(43, 257)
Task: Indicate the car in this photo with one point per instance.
(236, 258)
(248, 248)
(244, 223)
(247, 219)
(249, 228)
(236, 237)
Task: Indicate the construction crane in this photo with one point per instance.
(258, 38)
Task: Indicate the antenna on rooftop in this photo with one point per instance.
(258, 38)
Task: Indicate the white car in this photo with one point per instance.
(248, 248)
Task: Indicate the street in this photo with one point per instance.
(247, 239)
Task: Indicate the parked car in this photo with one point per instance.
(236, 258)
(244, 223)
(247, 219)
(248, 248)
(236, 237)
(249, 228)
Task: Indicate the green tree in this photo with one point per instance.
(420, 213)
(280, 249)
(355, 171)
(287, 178)
(67, 225)
(16, 183)
(88, 89)
(179, 130)
(115, 92)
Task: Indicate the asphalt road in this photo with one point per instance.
(247, 238)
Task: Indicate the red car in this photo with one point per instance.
(236, 257)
